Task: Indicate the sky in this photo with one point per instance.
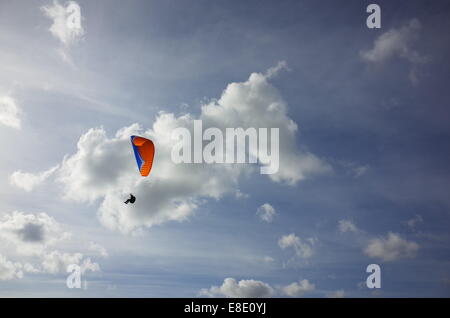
(363, 118)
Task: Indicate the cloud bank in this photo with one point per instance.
(104, 169)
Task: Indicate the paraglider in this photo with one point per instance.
(144, 151)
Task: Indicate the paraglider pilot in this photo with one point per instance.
(131, 199)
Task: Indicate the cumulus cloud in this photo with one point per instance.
(102, 167)
(30, 233)
(397, 43)
(256, 103)
(256, 289)
(28, 181)
(391, 248)
(34, 237)
(266, 212)
(9, 112)
(298, 289)
(9, 270)
(302, 248)
(242, 289)
(347, 226)
(65, 26)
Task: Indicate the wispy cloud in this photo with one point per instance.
(28, 181)
(397, 43)
(10, 112)
(66, 26)
(347, 226)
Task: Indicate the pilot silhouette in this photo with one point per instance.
(131, 199)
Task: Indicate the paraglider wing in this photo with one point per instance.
(144, 151)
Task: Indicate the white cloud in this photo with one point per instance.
(412, 223)
(66, 27)
(65, 56)
(241, 195)
(397, 43)
(256, 289)
(30, 234)
(63, 29)
(9, 112)
(360, 171)
(33, 238)
(302, 248)
(87, 265)
(9, 270)
(394, 43)
(28, 181)
(95, 247)
(266, 212)
(56, 262)
(298, 289)
(271, 72)
(337, 294)
(347, 226)
(14, 270)
(256, 103)
(391, 248)
(103, 167)
(242, 289)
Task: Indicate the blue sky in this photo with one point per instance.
(371, 106)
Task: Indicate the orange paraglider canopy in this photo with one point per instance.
(144, 151)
